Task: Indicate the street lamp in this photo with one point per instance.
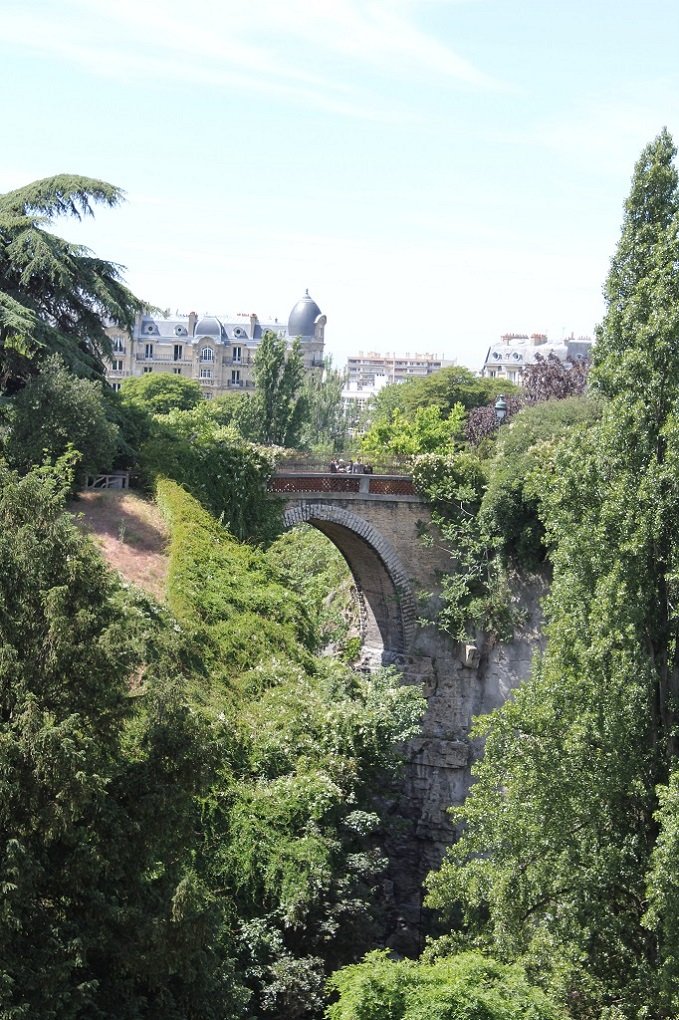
(500, 409)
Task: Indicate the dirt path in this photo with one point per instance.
(131, 534)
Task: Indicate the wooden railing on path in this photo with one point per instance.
(114, 480)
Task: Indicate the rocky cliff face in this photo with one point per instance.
(459, 682)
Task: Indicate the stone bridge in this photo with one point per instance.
(377, 522)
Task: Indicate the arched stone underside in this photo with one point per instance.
(388, 605)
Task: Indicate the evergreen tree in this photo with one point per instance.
(55, 296)
(561, 850)
(101, 913)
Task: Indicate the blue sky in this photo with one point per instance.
(436, 172)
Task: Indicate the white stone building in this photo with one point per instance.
(217, 352)
(508, 358)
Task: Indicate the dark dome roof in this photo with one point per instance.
(303, 317)
(209, 325)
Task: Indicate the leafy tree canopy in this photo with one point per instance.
(227, 474)
(55, 411)
(160, 393)
(56, 296)
(426, 430)
(443, 390)
(102, 914)
(551, 378)
(447, 988)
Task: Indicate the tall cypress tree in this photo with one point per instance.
(561, 845)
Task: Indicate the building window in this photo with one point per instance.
(177, 371)
(178, 350)
(235, 377)
(147, 370)
(117, 365)
(205, 373)
(237, 355)
(207, 354)
(118, 344)
(148, 350)
(115, 386)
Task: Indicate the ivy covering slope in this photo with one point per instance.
(290, 835)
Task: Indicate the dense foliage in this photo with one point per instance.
(466, 985)
(444, 390)
(55, 411)
(101, 912)
(290, 833)
(426, 431)
(429, 414)
(280, 404)
(54, 295)
(213, 461)
(509, 508)
(325, 425)
(565, 862)
(160, 393)
(552, 379)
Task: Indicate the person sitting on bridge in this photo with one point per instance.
(367, 469)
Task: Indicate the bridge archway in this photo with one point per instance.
(388, 611)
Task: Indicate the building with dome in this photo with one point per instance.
(218, 352)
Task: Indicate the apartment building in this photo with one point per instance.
(508, 358)
(363, 368)
(218, 352)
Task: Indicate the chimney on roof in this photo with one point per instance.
(193, 319)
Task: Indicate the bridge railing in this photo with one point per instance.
(309, 465)
(313, 482)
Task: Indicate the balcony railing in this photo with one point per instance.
(165, 359)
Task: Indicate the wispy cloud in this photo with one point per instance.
(336, 55)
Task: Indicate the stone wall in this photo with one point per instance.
(397, 575)
(459, 682)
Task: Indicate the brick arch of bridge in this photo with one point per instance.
(387, 603)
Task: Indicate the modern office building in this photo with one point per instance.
(508, 358)
(218, 352)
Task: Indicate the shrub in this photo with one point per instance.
(55, 411)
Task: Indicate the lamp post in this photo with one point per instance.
(500, 409)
